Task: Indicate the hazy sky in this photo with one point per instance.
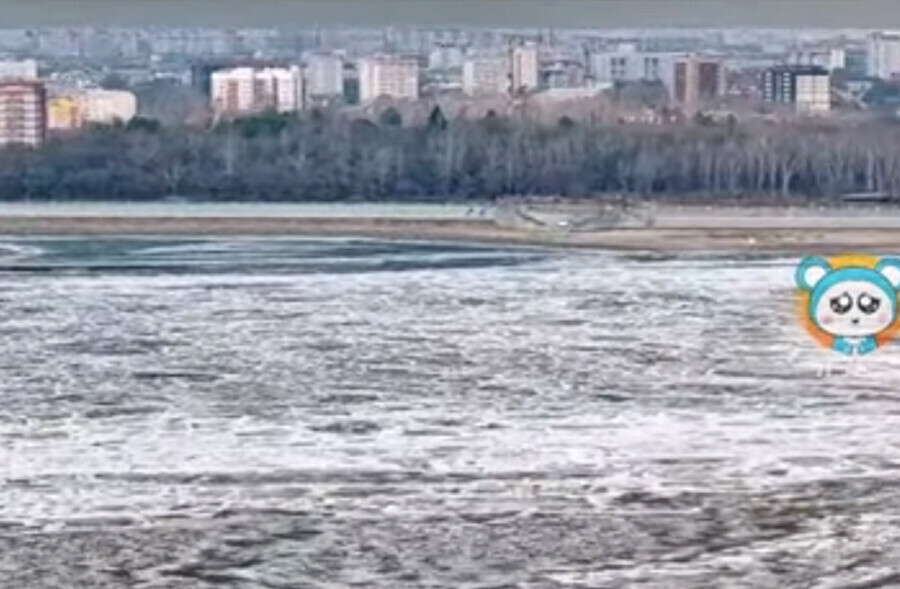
(512, 13)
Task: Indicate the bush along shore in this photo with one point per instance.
(324, 156)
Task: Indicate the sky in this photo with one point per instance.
(587, 14)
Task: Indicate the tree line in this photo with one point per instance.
(324, 156)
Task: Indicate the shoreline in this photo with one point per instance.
(724, 237)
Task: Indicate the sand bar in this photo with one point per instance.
(674, 228)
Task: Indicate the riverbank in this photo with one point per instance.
(727, 236)
(672, 228)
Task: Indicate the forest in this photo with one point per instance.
(322, 156)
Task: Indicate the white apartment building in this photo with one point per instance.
(232, 90)
(284, 86)
(325, 75)
(486, 76)
(883, 51)
(813, 93)
(632, 66)
(247, 90)
(106, 106)
(390, 76)
(525, 70)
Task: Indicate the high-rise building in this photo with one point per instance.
(324, 75)
(807, 87)
(883, 49)
(392, 76)
(232, 90)
(247, 90)
(486, 76)
(525, 66)
(23, 113)
(281, 88)
(698, 81)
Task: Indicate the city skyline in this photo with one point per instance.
(107, 74)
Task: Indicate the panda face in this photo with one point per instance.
(853, 308)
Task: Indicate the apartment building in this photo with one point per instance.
(392, 76)
(247, 90)
(698, 81)
(806, 87)
(23, 113)
(883, 52)
(486, 76)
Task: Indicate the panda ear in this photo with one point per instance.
(811, 271)
(890, 269)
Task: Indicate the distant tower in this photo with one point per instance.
(525, 70)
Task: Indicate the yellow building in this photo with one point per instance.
(73, 111)
(64, 113)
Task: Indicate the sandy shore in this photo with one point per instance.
(724, 238)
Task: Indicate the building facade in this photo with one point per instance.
(698, 81)
(856, 62)
(883, 52)
(232, 90)
(807, 88)
(74, 110)
(486, 76)
(108, 106)
(247, 90)
(324, 75)
(631, 66)
(390, 76)
(525, 68)
(813, 93)
(64, 113)
(23, 113)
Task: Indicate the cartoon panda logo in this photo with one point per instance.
(850, 303)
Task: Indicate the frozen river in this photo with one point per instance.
(291, 414)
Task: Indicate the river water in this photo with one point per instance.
(329, 414)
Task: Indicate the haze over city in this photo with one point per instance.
(506, 13)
